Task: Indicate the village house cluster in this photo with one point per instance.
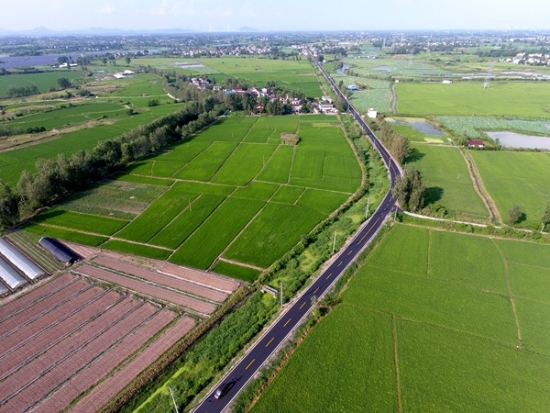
(531, 59)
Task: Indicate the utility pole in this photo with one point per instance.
(174, 400)
(190, 206)
(281, 292)
(367, 209)
(334, 243)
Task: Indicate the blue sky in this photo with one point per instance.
(224, 15)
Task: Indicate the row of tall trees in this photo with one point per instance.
(397, 144)
(56, 177)
(22, 91)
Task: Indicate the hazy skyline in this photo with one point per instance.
(280, 15)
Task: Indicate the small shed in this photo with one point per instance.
(371, 113)
(289, 139)
(475, 143)
(61, 252)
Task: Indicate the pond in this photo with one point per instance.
(424, 127)
(518, 140)
(343, 69)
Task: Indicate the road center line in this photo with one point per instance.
(250, 364)
(288, 321)
(302, 306)
(269, 342)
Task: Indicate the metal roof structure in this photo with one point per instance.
(3, 289)
(19, 260)
(60, 251)
(10, 276)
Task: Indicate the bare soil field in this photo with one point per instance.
(73, 332)
(146, 289)
(158, 278)
(70, 334)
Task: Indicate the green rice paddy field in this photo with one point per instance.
(233, 192)
(448, 182)
(517, 99)
(43, 81)
(109, 109)
(516, 178)
(434, 321)
(296, 75)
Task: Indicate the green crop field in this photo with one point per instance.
(81, 222)
(288, 194)
(277, 229)
(79, 237)
(253, 156)
(277, 168)
(373, 93)
(203, 246)
(296, 75)
(473, 127)
(161, 212)
(43, 81)
(137, 249)
(363, 380)
(518, 99)
(115, 199)
(516, 178)
(220, 196)
(446, 177)
(207, 163)
(66, 116)
(429, 310)
(236, 271)
(107, 108)
(192, 216)
(396, 67)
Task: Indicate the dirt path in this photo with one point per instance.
(396, 361)
(480, 188)
(509, 288)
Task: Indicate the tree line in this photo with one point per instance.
(55, 178)
(22, 91)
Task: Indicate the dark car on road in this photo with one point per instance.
(223, 389)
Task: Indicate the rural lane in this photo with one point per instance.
(243, 371)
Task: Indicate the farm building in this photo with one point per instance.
(60, 252)
(289, 139)
(475, 143)
(10, 276)
(19, 260)
(371, 113)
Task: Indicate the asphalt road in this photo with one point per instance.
(277, 333)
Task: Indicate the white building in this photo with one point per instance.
(371, 113)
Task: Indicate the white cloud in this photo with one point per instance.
(175, 8)
(108, 9)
